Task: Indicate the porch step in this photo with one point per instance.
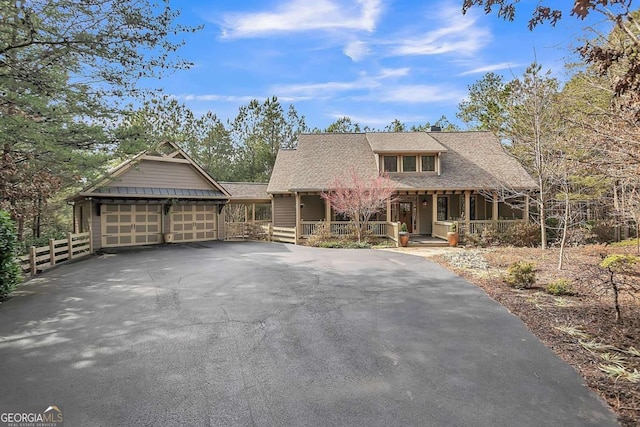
(428, 242)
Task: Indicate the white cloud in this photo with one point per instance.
(214, 97)
(488, 68)
(419, 94)
(460, 34)
(393, 72)
(327, 89)
(356, 50)
(377, 120)
(303, 15)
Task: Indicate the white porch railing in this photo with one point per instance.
(477, 226)
(441, 228)
(343, 228)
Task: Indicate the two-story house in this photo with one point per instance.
(439, 177)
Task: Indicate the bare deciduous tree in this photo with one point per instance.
(359, 198)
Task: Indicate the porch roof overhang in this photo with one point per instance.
(407, 190)
(240, 200)
(410, 151)
(140, 193)
(158, 201)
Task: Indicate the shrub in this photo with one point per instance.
(321, 234)
(621, 275)
(358, 245)
(521, 275)
(344, 244)
(559, 287)
(490, 235)
(522, 234)
(10, 273)
(330, 244)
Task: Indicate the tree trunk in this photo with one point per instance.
(543, 225)
(565, 229)
(616, 301)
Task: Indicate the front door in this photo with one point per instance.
(405, 214)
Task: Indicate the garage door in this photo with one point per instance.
(190, 223)
(128, 225)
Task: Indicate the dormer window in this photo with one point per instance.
(390, 163)
(428, 163)
(409, 164)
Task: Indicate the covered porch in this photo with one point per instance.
(426, 213)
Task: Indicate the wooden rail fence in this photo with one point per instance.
(38, 259)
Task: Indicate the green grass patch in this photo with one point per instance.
(626, 243)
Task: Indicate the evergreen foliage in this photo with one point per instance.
(10, 274)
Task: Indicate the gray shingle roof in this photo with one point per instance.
(246, 190)
(469, 160)
(282, 171)
(403, 142)
(321, 158)
(478, 159)
(145, 191)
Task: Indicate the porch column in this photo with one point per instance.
(467, 208)
(90, 227)
(246, 213)
(389, 210)
(526, 208)
(253, 213)
(327, 211)
(435, 209)
(298, 217)
(494, 214)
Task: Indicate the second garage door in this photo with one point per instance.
(191, 223)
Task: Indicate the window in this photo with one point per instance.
(391, 163)
(409, 163)
(472, 207)
(428, 163)
(442, 208)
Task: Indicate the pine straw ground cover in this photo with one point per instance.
(580, 328)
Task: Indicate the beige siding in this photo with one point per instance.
(425, 213)
(284, 211)
(81, 216)
(454, 206)
(221, 224)
(153, 174)
(484, 208)
(507, 212)
(96, 227)
(314, 209)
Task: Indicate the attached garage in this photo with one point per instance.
(159, 195)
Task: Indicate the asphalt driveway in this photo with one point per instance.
(266, 334)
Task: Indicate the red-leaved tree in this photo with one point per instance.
(359, 198)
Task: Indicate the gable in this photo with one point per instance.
(165, 171)
(162, 174)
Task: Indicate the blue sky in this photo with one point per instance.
(371, 60)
